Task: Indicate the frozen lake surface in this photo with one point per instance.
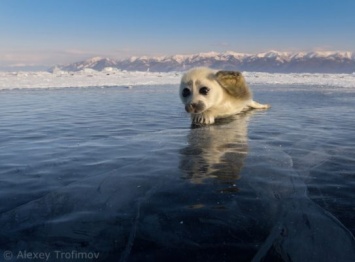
(120, 172)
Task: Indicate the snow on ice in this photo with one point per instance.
(114, 77)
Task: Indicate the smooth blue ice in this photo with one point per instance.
(121, 172)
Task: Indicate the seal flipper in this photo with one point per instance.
(256, 105)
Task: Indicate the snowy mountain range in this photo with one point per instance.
(272, 62)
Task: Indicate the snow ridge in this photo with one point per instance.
(271, 62)
(112, 77)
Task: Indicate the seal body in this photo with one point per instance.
(209, 94)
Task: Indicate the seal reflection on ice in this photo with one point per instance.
(209, 94)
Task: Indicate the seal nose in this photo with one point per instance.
(190, 107)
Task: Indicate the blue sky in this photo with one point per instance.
(38, 32)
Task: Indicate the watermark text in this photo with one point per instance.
(50, 256)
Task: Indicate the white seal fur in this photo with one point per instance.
(209, 94)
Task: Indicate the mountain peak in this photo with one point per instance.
(270, 61)
(95, 59)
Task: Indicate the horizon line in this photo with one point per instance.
(36, 67)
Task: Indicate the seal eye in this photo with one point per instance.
(204, 90)
(186, 92)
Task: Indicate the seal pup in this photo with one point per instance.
(209, 94)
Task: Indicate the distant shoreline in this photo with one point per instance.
(331, 62)
(111, 77)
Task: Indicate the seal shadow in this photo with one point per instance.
(216, 151)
